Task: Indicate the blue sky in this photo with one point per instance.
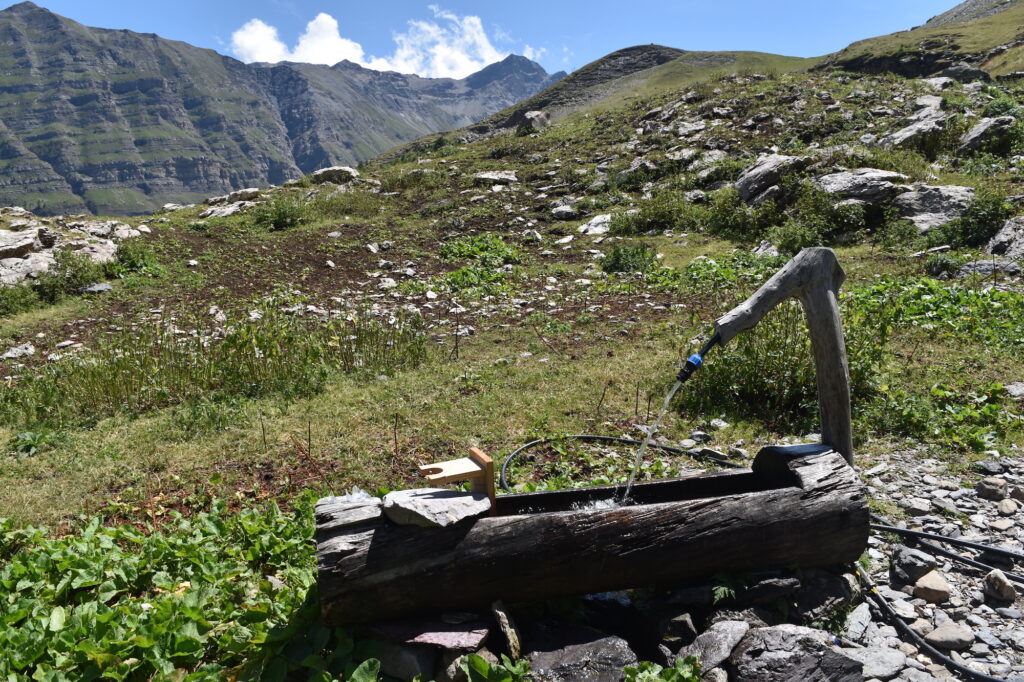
(456, 37)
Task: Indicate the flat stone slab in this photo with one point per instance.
(880, 662)
(433, 507)
(463, 632)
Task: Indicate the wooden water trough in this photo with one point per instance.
(796, 506)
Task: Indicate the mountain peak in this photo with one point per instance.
(969, 11)
(512, 65)
(23, 7)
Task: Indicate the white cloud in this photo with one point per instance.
(447, 46)
(534, 53)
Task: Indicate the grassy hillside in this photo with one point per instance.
(934, 46)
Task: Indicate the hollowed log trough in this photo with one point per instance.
(796, 506)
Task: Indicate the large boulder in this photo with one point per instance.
(925, 128)
(715, 644)
(765, 173)
(790, 652)
(19, 244)
(492, 177)
(339, 175)
(867, 184)
(1009, 241)
(576, 654)
(989, 134)
(931, 206)
(989, 267)
(965, 73)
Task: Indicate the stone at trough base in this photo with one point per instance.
(433, 507)
(716, 643)
(404, 661)
(784, 653)
(879, 662)
(578, 654)
(508, 628)
(907, 565)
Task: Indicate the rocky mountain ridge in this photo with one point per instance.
(116, 122)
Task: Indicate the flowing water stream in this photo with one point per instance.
(650, 432)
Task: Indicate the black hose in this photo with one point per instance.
(884, 525)
(593, 438)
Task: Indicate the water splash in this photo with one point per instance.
(650, 432)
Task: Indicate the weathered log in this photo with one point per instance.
(813, 276)
(798, 506)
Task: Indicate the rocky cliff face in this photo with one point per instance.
(117, 122)
(970, 10)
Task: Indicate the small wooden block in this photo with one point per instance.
(478, 469)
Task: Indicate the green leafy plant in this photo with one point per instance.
(280, 213)
(629, 258)
(478, 669)
(985, 215)
(486, 250)
(70, 273)
(685, 670)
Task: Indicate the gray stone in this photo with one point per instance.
(538, 120)
(766, 250)
(597, 225)
(904, 609)
(879, 662)
(907, 565)
(226, 210)
(858, 621)
(989, 466)
(932, 587)
(714, 645)
(868, 184)
(989, 134)
(404, 661)
(22, 351)
(1009, 241)
(821, 593)
(932, 206)
(600, 660)
(950, 636)
(339, 175)
(917, 133)
(1007, 507)
(19, 244)
(790, 652)
(766, 172)
(432, 507)
(356, 509)
(97, 288)
(992, 488)
(564, 212)
(997, 586)
(989, 267)
(965, 73)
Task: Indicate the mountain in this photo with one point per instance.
(117, 122)
(984, 33)
(968, 11)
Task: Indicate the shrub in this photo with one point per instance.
(1002, 105)
(134, 256)
(624, 258)
(984, 217)
(17, 299)
(488, 250)
(942, 264)
(728, 216)
(341, 204)
(280, 213)
(71, 272)
(664, 211)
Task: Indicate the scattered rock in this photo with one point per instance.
(339, 175)
(538, 120)
(226, 210)
(491, 177)
(932, 206)
(989, 134)
(880, 663)
(868, 184)
(997, 586)
(714, 645)
(932, 587)
(989, 267)
(1007, 507)
(97, 288)
(564, 212)
(908, 565)
(765, 173)
(950, 636)
(22, 351)
(1009, 241)
(992, 488)
(597, 225)
(433, 507)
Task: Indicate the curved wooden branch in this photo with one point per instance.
(813, 276)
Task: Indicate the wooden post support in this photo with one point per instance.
(478, 469)
(813, 276)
